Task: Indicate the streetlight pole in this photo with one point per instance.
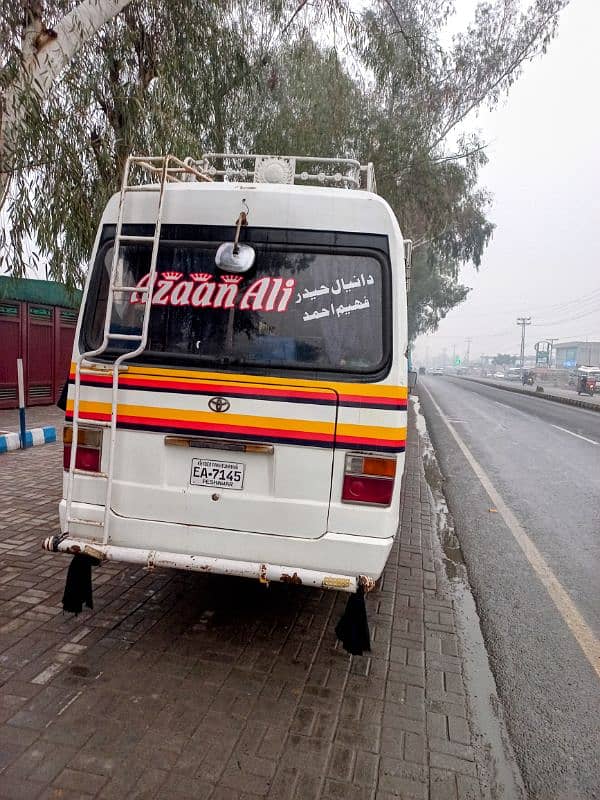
(523, 322)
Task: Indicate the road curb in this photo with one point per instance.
(554, 398)
(33, 436)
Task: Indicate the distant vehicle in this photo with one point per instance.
(437, 371)
(528, 377)
(499, 375)
(588, 380)
(514, 374)
(422, 371)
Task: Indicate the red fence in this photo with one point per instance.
(42, 336)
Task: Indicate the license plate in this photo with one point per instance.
(217, 474)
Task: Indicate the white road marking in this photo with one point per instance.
(66, 705)
(578, 435)
(70, 703)
(583, 634)
(47, 674)
(511, 408)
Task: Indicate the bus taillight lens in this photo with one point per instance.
(369, 479)
(89, 448)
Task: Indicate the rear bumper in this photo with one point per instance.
(334, 561)
(265, 573)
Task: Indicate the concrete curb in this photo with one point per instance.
(554, 398)
(12, 441)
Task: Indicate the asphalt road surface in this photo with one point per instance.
(542, 637)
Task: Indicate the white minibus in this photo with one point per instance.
(238, 389)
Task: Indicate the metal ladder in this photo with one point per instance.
(155, 165)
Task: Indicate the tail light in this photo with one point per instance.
(369, 479)
(89, 448)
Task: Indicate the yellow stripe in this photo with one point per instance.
(366, 389)
(276, 423)
(371, 431)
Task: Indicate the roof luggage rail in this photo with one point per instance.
(256, 168)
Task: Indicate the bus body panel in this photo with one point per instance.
(290, 510)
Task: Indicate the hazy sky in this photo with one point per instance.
(544, 173)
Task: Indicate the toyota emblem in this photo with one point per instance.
(219, 404)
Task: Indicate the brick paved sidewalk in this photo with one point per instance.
(187, 686)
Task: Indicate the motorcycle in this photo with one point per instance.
(528, 378)
(587, 386)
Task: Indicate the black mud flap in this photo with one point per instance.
(62, 399)
(353, 628)
(78, 586)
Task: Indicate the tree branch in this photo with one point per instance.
(39, 68)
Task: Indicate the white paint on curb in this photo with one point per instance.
(12, 441)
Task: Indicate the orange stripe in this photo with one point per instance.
(348, 390)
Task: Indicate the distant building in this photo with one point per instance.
(569, 355)
(37, 324)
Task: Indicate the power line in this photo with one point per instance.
(594, 310)
(588, 297)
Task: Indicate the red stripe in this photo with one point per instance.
(217, 428)
(354, 440)
(201, 426)
(222, 388)
(382, 401)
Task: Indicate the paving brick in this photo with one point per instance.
(459, 730)
(341, 763)
(217, 688)
(415, 748)
(437, 725)
(335, 790)
(365, 769)
(75, 781)
(443, 785)
(453, 763)
(452, 748)
(18, 788)
(468, 788)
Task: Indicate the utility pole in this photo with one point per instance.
(523, 322)
(551, 354)
(468, 354)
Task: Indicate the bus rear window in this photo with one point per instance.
(297, 309)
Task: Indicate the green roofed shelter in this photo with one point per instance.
(37, 324)
(30, 290)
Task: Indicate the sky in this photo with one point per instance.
(544, 173)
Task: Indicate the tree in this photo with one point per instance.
(32, 65)
(427, 157)
(378, 86)
(504, 358)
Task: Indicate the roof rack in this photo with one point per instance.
(168, 168)
(240, 167)
(254, 168)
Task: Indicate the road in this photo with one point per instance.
(542, 637)
(571, 393)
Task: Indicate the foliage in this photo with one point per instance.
(251, 75)
(504, 358)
